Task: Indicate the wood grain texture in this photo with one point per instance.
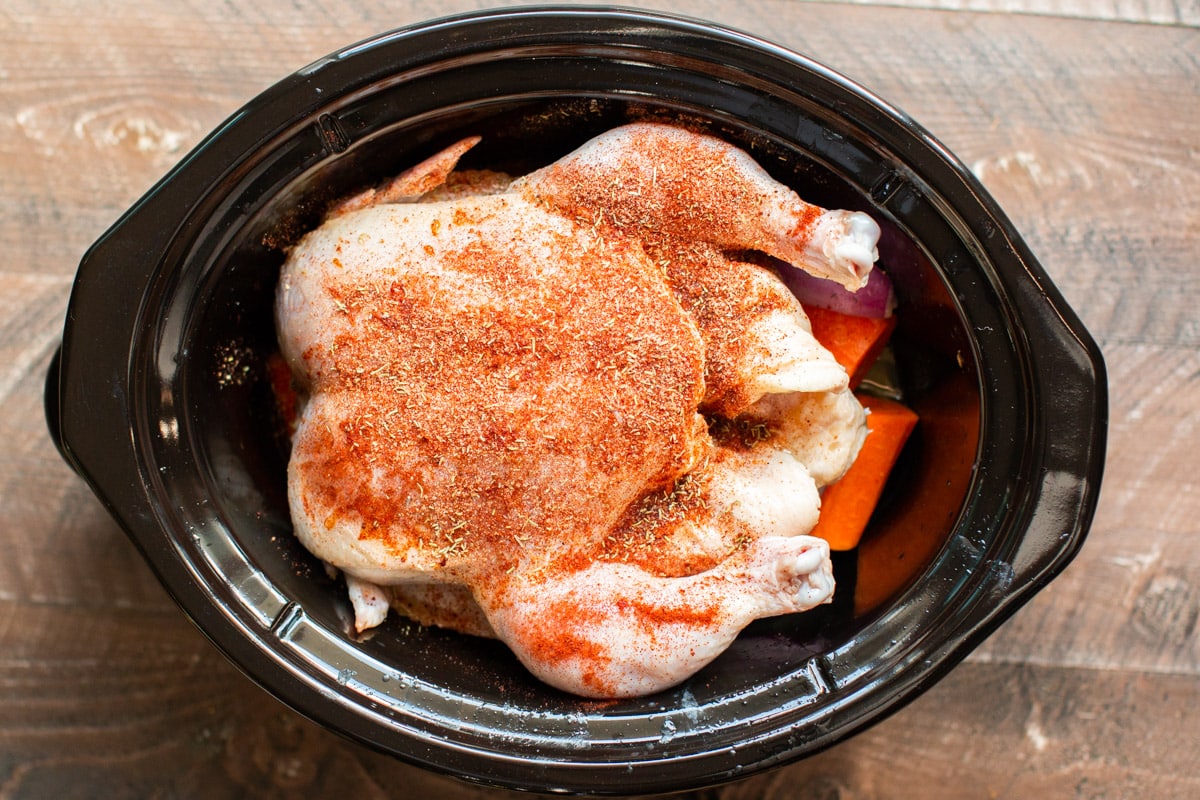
(1081, 119)
(1161, 12)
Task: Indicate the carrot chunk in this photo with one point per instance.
(854, 341)
(287, 402)
(846, 505)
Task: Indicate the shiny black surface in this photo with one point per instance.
(161, 402)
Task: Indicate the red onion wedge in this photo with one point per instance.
(876, 299)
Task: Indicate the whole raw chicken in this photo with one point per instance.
(567, 410)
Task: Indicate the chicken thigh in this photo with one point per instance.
(563, 411)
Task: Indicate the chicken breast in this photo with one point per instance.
(564, 411)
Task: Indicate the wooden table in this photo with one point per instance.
(1081, 116)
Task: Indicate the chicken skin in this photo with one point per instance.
(566, 410)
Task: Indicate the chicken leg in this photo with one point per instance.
(650, 178)
(613, 630)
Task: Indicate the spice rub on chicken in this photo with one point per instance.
(565, 410)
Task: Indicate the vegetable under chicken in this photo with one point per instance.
(567, 410)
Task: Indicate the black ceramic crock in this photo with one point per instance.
(160, 398)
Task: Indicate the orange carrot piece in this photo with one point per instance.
(854, 341)
(846, 505)
(287, 402)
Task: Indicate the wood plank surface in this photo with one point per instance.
(1165, 12)
(1082, 119)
